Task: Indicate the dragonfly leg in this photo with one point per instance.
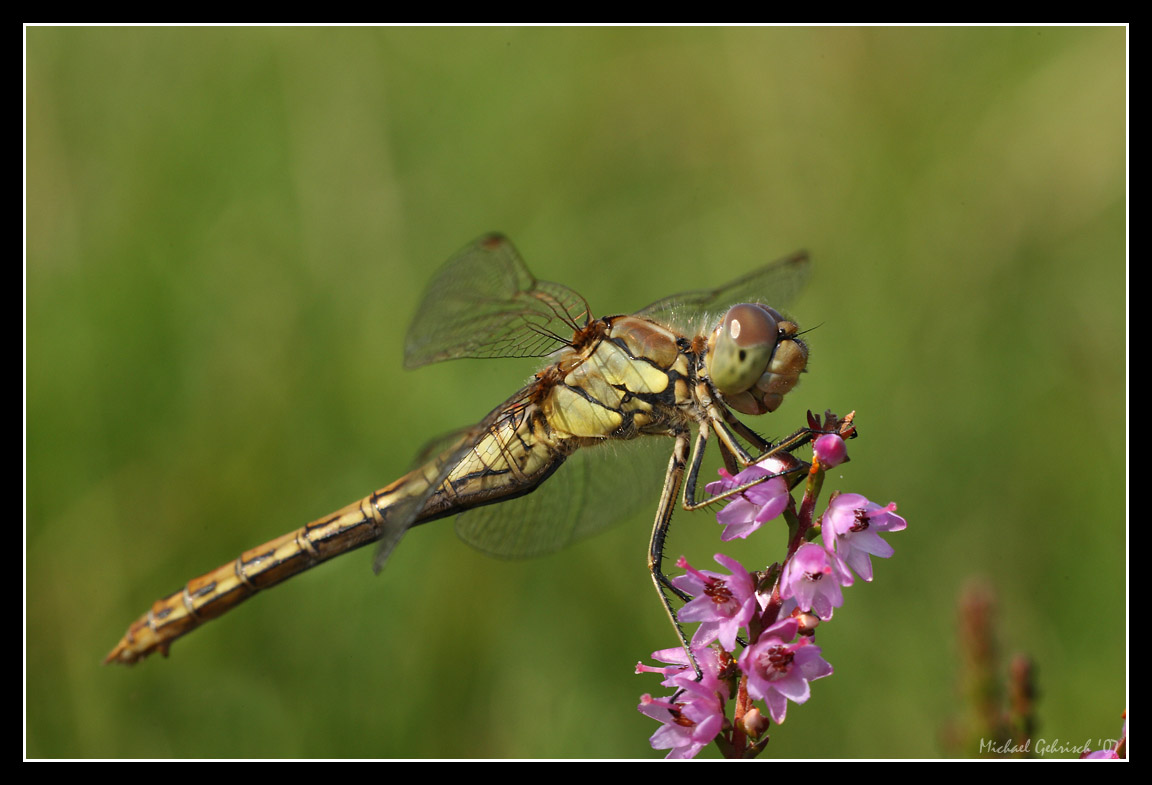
(690, 502)
(727, 426)
(731, 463)
(750, 436)
(677, 465)
(663, 584)
(731, 450)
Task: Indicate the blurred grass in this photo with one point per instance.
(228, 229)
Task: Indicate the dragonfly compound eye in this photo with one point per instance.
(755, 359)
(743, 347)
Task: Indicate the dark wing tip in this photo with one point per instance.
(492, 240)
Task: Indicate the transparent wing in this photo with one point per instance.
(435, 463)
(436, 469)
(440, 444)
(485, 303)
(776, 284)
(595, 488)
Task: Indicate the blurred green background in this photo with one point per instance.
(229, 229)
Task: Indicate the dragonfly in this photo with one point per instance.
(686, 361)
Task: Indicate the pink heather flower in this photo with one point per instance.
(723, 604)
(1101, 755)
(830, 450)
(779, 670)
(1118, 751)
(748, 511)
(677, 661)
(690, 720)
(851, 528)
(679, 671)
(688, 726)
(813, 576)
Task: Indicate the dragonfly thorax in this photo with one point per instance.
(754, 358)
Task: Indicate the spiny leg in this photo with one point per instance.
(732, 452)
(672, 482)
(660, 527)
(750, 436)
(728, 448)
(727, 425)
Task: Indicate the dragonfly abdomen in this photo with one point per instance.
(510, 458)
(216, 592)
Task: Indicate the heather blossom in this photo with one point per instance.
(772, 614)
(830, 450)
(851, 527)
(752, 508)
(813, 577)
(723, 604)
(688, 726)
(779, 669)
(1118, 749)
(678, 671)
(693, 717)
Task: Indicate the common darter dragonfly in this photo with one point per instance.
(655, 373)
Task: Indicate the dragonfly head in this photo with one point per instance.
(754, 358)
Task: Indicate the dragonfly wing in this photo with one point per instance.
(403, 513)
(776, 284)
(440, 444)
(484, 302)
(435, 463)
(595, 488)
